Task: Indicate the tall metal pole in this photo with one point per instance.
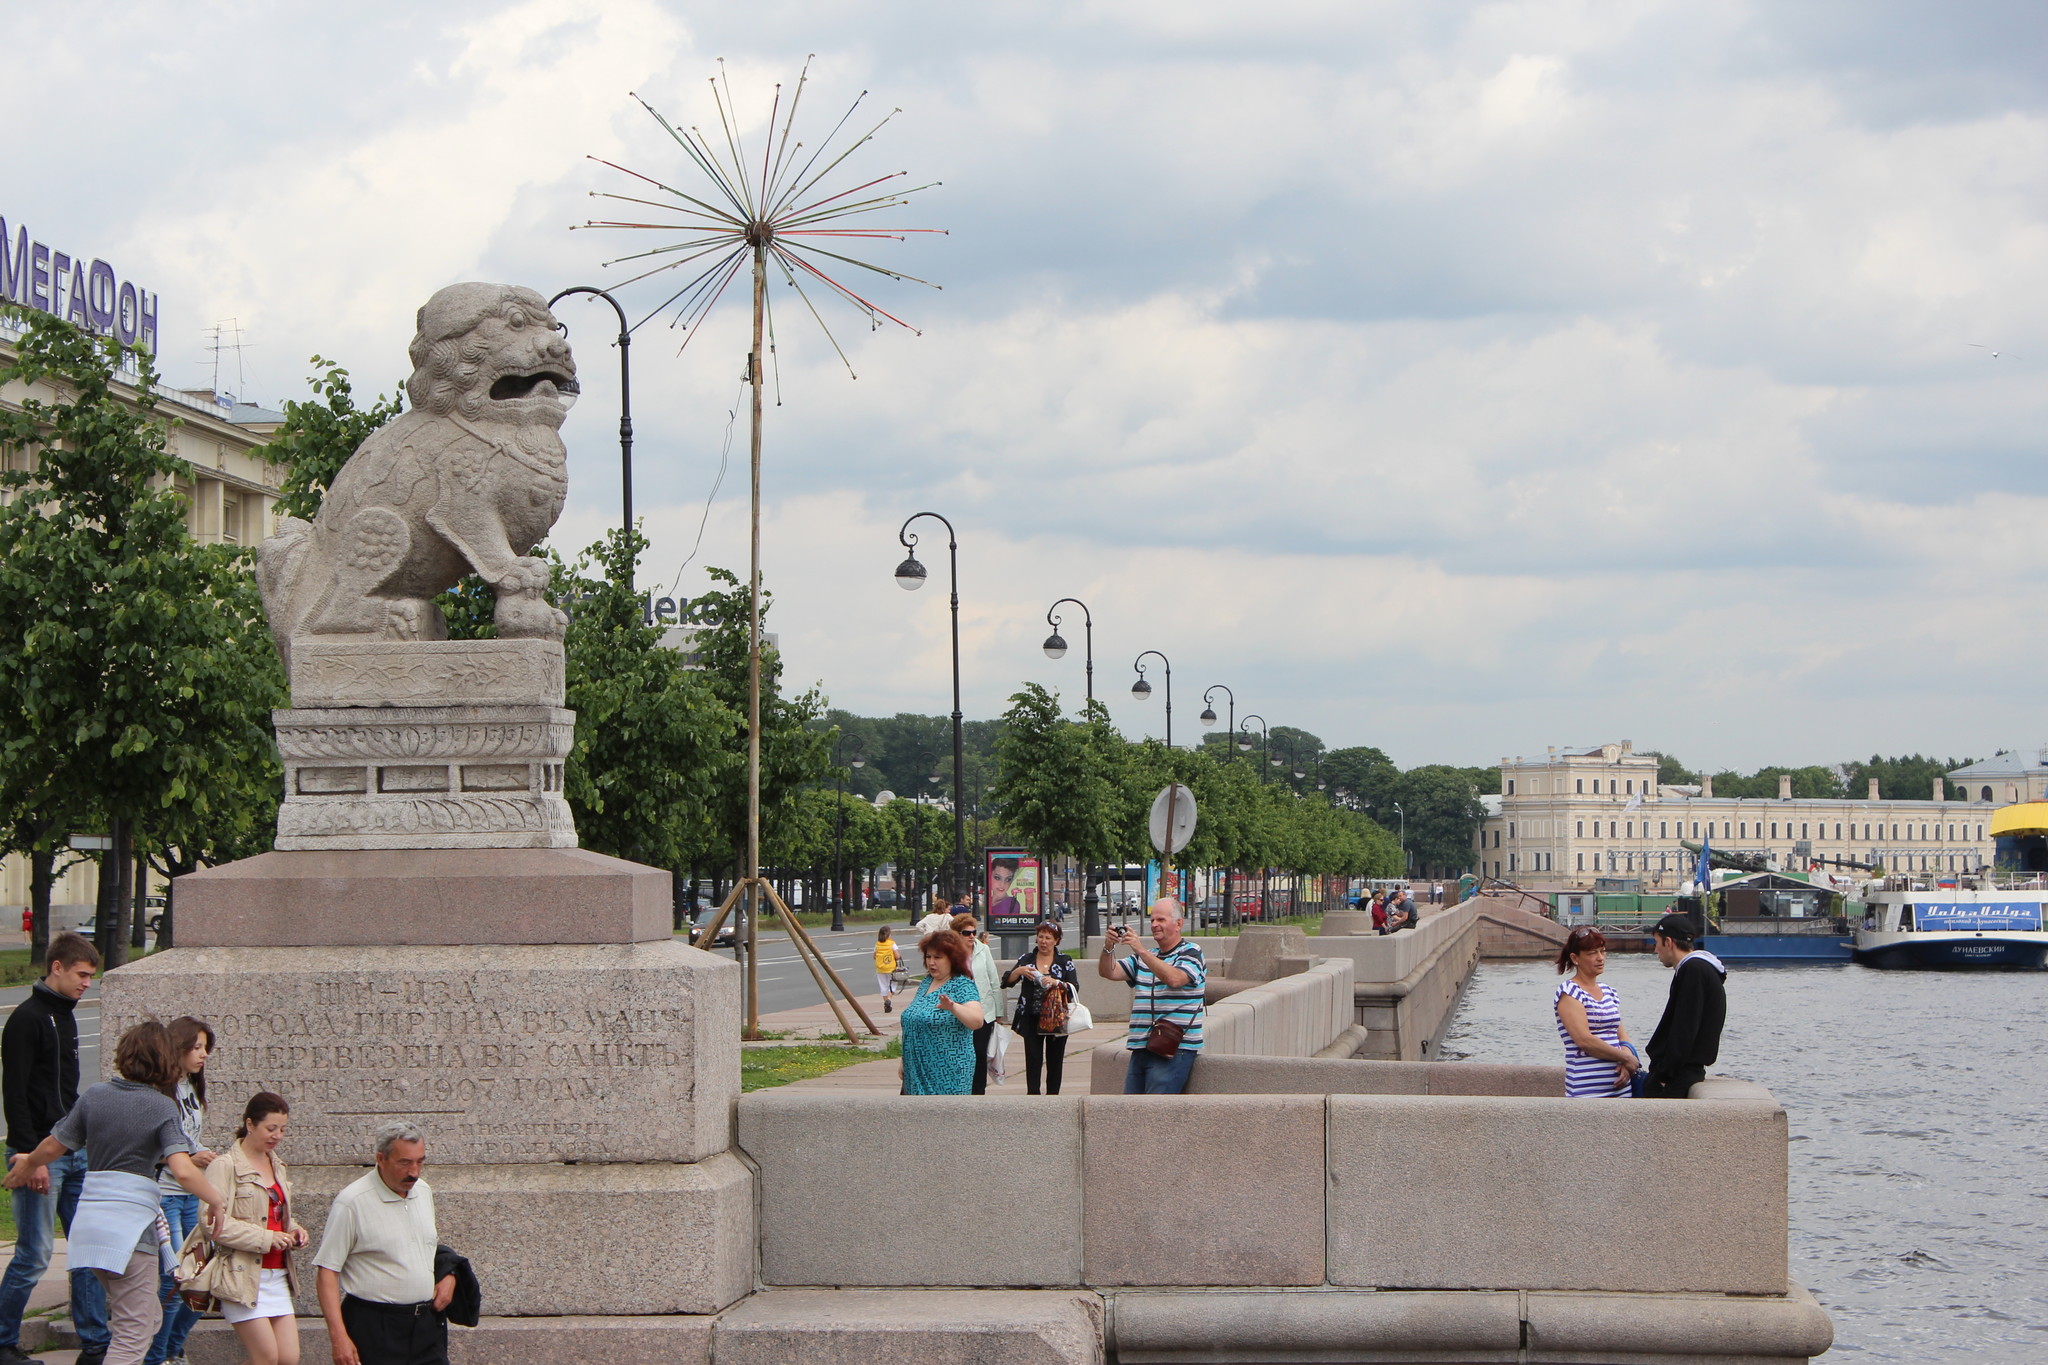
(1087, 635)
(625, 405)
(911, 575)
(1144, 689)
(1230, 727)
(1265, 878)
(755, 369)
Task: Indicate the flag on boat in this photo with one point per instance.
(1704, 873)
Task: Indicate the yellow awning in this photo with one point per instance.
(2028, 817)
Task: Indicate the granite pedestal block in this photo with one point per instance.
(504, 1054)
(589, 1241)
(423, 777)
(387, 897)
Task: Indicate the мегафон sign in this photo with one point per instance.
(85, 292)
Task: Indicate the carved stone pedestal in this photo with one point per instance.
(425, 777)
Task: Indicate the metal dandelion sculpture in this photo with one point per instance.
(781, 208)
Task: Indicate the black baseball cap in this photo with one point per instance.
(1676, 927)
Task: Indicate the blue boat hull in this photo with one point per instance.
(1792, 948)
(1956, 954)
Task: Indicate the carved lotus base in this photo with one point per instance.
(425, 777)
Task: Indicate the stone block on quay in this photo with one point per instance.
(582, 1241)
(1138, 1231)
(1345, 924)
(378, 673)
(506, 1341)
(1304, 1076)
(1107, 1065)
(502, 1053)
(1678, 1327)
(1479, 1215)
(1488, 1078)
(839, 1205)
(1312, 1325)
(929, 1327)
(384, 897)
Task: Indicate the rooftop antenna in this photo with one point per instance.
(781, 204)
(220, 340)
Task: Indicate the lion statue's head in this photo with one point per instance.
(492, 353)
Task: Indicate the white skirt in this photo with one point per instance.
(273, 1300)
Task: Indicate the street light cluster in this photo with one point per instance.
(911, 575)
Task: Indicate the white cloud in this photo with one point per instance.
(1460, 379)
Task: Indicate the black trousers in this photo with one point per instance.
(395, 1333)
(981, 1037)
(1046, 1050)
(1670, 1085)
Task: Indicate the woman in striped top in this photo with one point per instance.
(1597, 1062)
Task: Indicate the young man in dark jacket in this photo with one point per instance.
(1688, 1037)
(38, 1086)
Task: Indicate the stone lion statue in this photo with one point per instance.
(471, 478)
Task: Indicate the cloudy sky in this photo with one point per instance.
(1456, 378)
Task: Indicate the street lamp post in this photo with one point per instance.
(1208, 717)
(625, 399)
(1056, 648)
(1404, 837)
(838, 845)
(1141, 689)
(1244, 742)
(910, 576)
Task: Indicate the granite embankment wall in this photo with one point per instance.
(1406, 985)
(1335, 1252)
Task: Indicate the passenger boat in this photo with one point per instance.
(1773, 917)
(1989, 919)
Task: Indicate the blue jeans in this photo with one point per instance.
(1152, 1074)
(181, 1211)
(35, 1233)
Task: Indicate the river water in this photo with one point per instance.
(1919, 1181)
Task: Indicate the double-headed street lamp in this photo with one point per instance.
(910, 576)
(1056, 647)
(1141, 689)
(1208, 716)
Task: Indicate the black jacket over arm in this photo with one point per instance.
(1689, 1034)
(38, 1066)
(467, 1305)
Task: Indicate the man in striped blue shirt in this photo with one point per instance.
(1166, 989)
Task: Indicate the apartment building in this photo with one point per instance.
(1576, 814)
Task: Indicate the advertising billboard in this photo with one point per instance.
(1016, 885)
(1977, 916)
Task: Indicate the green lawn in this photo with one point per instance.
(764, 1067)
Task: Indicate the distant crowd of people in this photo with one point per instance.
(1394, 908)
(125, 1166)
(949, 1023)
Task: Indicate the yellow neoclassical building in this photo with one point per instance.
(1576, 814)
(231, 497)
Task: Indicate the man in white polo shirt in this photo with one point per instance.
(376, 1262)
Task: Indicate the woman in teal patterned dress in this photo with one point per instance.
(939, 1024)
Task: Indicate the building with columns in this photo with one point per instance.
(1576, 814)
(231, 497)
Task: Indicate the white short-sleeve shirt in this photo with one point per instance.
(381, 1243)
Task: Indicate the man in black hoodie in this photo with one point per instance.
(38, 1086)
(1688, 1037)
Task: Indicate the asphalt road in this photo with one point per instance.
(786, 983)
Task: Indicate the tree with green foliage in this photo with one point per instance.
(1910, 777)
(653, 741)
(136, 675)
(1057, 779)
(1443, 811)
(316, 438)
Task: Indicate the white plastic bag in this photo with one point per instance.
(998, 1050)
(1079, 1020)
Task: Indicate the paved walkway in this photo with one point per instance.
(814, 1021)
